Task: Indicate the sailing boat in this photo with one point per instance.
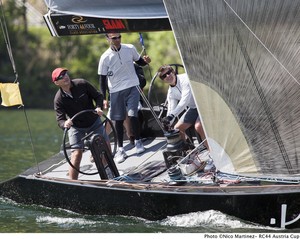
(242, 59)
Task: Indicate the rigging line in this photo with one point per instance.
(190, 153)
(295, 146)
(144, 50)
(7, 41)
(262, 43)
(150, 107)
(145, 53)
(9, 49)
(53, 166)
(263, 99)
(31, 141)
(254, 178)
(150, 87)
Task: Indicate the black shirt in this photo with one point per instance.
(83, 97)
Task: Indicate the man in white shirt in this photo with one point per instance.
(116, 66)
(180, 98)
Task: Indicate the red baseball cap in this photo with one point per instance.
(57, 72)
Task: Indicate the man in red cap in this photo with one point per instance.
(72, 97)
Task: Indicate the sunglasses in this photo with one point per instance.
(115, 38)
(61, 76)
(165, 75)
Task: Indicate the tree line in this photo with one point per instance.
(36, 53)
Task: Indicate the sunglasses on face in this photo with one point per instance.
(61, 76)
(167, 73)
(115, 38)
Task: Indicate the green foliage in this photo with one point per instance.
(37, 53)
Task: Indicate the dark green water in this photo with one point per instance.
(18, 152)
(17, 155)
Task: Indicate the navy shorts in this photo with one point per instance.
(76, 134)
(124, 102)
(190, 116)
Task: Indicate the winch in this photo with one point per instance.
(176, 147)
(181, 157)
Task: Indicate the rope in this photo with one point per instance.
(190, 153)
(150, 107)
(10, 54)
(31, 141)
(7, 41)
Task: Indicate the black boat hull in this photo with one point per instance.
(88, 198)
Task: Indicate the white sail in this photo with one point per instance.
(243, 60)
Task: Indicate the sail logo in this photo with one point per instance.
(81, 26)
(78, 19)
(113, 24)
(283, 221)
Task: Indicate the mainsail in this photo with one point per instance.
(243, 60)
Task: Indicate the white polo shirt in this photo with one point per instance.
(118, 67)
(180, 96)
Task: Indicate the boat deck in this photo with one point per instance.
(152, 155)
(148, 171)
(146, 167)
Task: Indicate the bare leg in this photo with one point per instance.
(107, 128)
(75, 160)
(182, 128)
(198, 127)
(200, 131)
(128, 127)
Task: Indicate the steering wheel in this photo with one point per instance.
(110, 131)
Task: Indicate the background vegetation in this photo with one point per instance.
(37, 53)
